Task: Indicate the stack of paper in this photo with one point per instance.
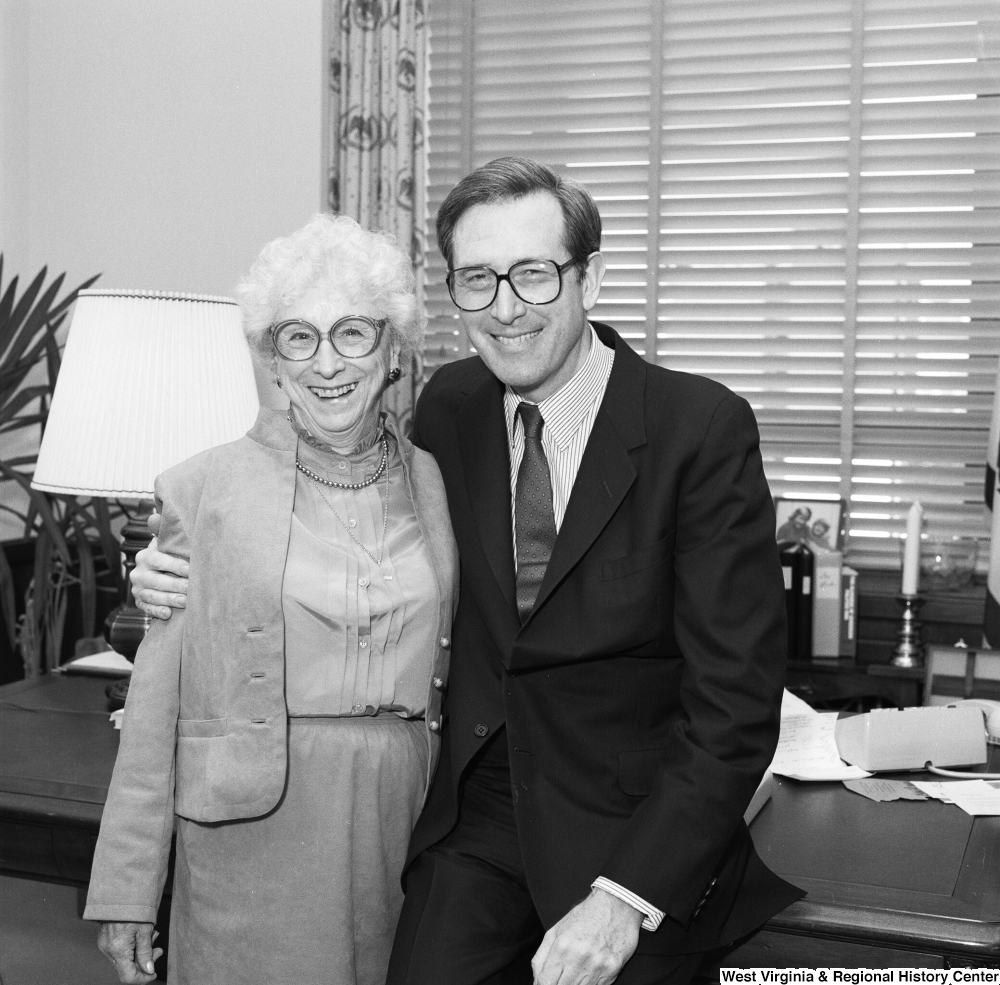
(975, 797)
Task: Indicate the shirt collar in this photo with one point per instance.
(566, 409)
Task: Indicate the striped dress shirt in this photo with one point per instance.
(568, 417)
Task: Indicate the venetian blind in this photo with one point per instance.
(799, 199)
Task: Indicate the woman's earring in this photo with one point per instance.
(394, 374)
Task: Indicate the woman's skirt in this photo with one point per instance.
(310, 892)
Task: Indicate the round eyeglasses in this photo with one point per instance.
(533, 281)
(353, 337)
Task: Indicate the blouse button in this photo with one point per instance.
(363, 642)
(438, 683)
(445, 643)
(358, 709)
(481, 730)
(363, 582)
(342, 466)
(351, 522)
(434, 726)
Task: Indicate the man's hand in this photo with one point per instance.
(129, 947)
(590, 945)
(159, 581)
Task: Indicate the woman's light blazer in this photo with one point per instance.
(205, 726)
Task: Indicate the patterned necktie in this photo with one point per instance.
(534, 520)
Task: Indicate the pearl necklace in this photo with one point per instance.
(349, 485)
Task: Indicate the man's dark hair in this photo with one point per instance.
(509, 178)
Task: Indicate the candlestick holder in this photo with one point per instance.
(909, 651)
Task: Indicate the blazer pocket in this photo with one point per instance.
(202, 728)
(637, 770)
(648, 557)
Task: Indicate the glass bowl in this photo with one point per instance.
(946, 564)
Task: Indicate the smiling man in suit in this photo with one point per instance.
(619, 647)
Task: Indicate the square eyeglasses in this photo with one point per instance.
(533, 281)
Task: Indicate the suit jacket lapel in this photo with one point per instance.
(606, 471)
(486, 461)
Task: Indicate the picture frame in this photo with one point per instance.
(817, 523)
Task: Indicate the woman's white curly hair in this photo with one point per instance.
(363, 264)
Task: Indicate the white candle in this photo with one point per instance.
(911, 556)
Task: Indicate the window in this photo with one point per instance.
(799, 199)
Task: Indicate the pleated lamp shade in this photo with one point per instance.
(147, 380)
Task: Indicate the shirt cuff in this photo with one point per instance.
(652, 917)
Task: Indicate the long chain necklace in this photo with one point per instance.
(344, 523)
(349, 485)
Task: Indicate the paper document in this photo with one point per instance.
(975, 797)
(108, 663)
(807, 749)
(792, 705)
(877, 789)
(935, 789)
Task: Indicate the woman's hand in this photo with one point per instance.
(129, 947)
(159, 581)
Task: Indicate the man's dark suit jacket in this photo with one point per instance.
(641, 696)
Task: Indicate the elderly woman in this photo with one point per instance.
(286, 722)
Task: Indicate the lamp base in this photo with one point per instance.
(126, 625)
(116, 693)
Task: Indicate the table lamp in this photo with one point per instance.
(147, 380)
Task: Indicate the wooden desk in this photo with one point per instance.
(899, 884)
(57, 751)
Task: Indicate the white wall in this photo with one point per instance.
(169, 139)
(160, 143)
(13, 132)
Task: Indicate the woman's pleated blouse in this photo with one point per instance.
(360, 636)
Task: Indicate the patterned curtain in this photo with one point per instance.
(377, 79)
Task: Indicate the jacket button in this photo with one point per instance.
(445, 643)
(481, 730)
(438, 683)
(434, 726)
